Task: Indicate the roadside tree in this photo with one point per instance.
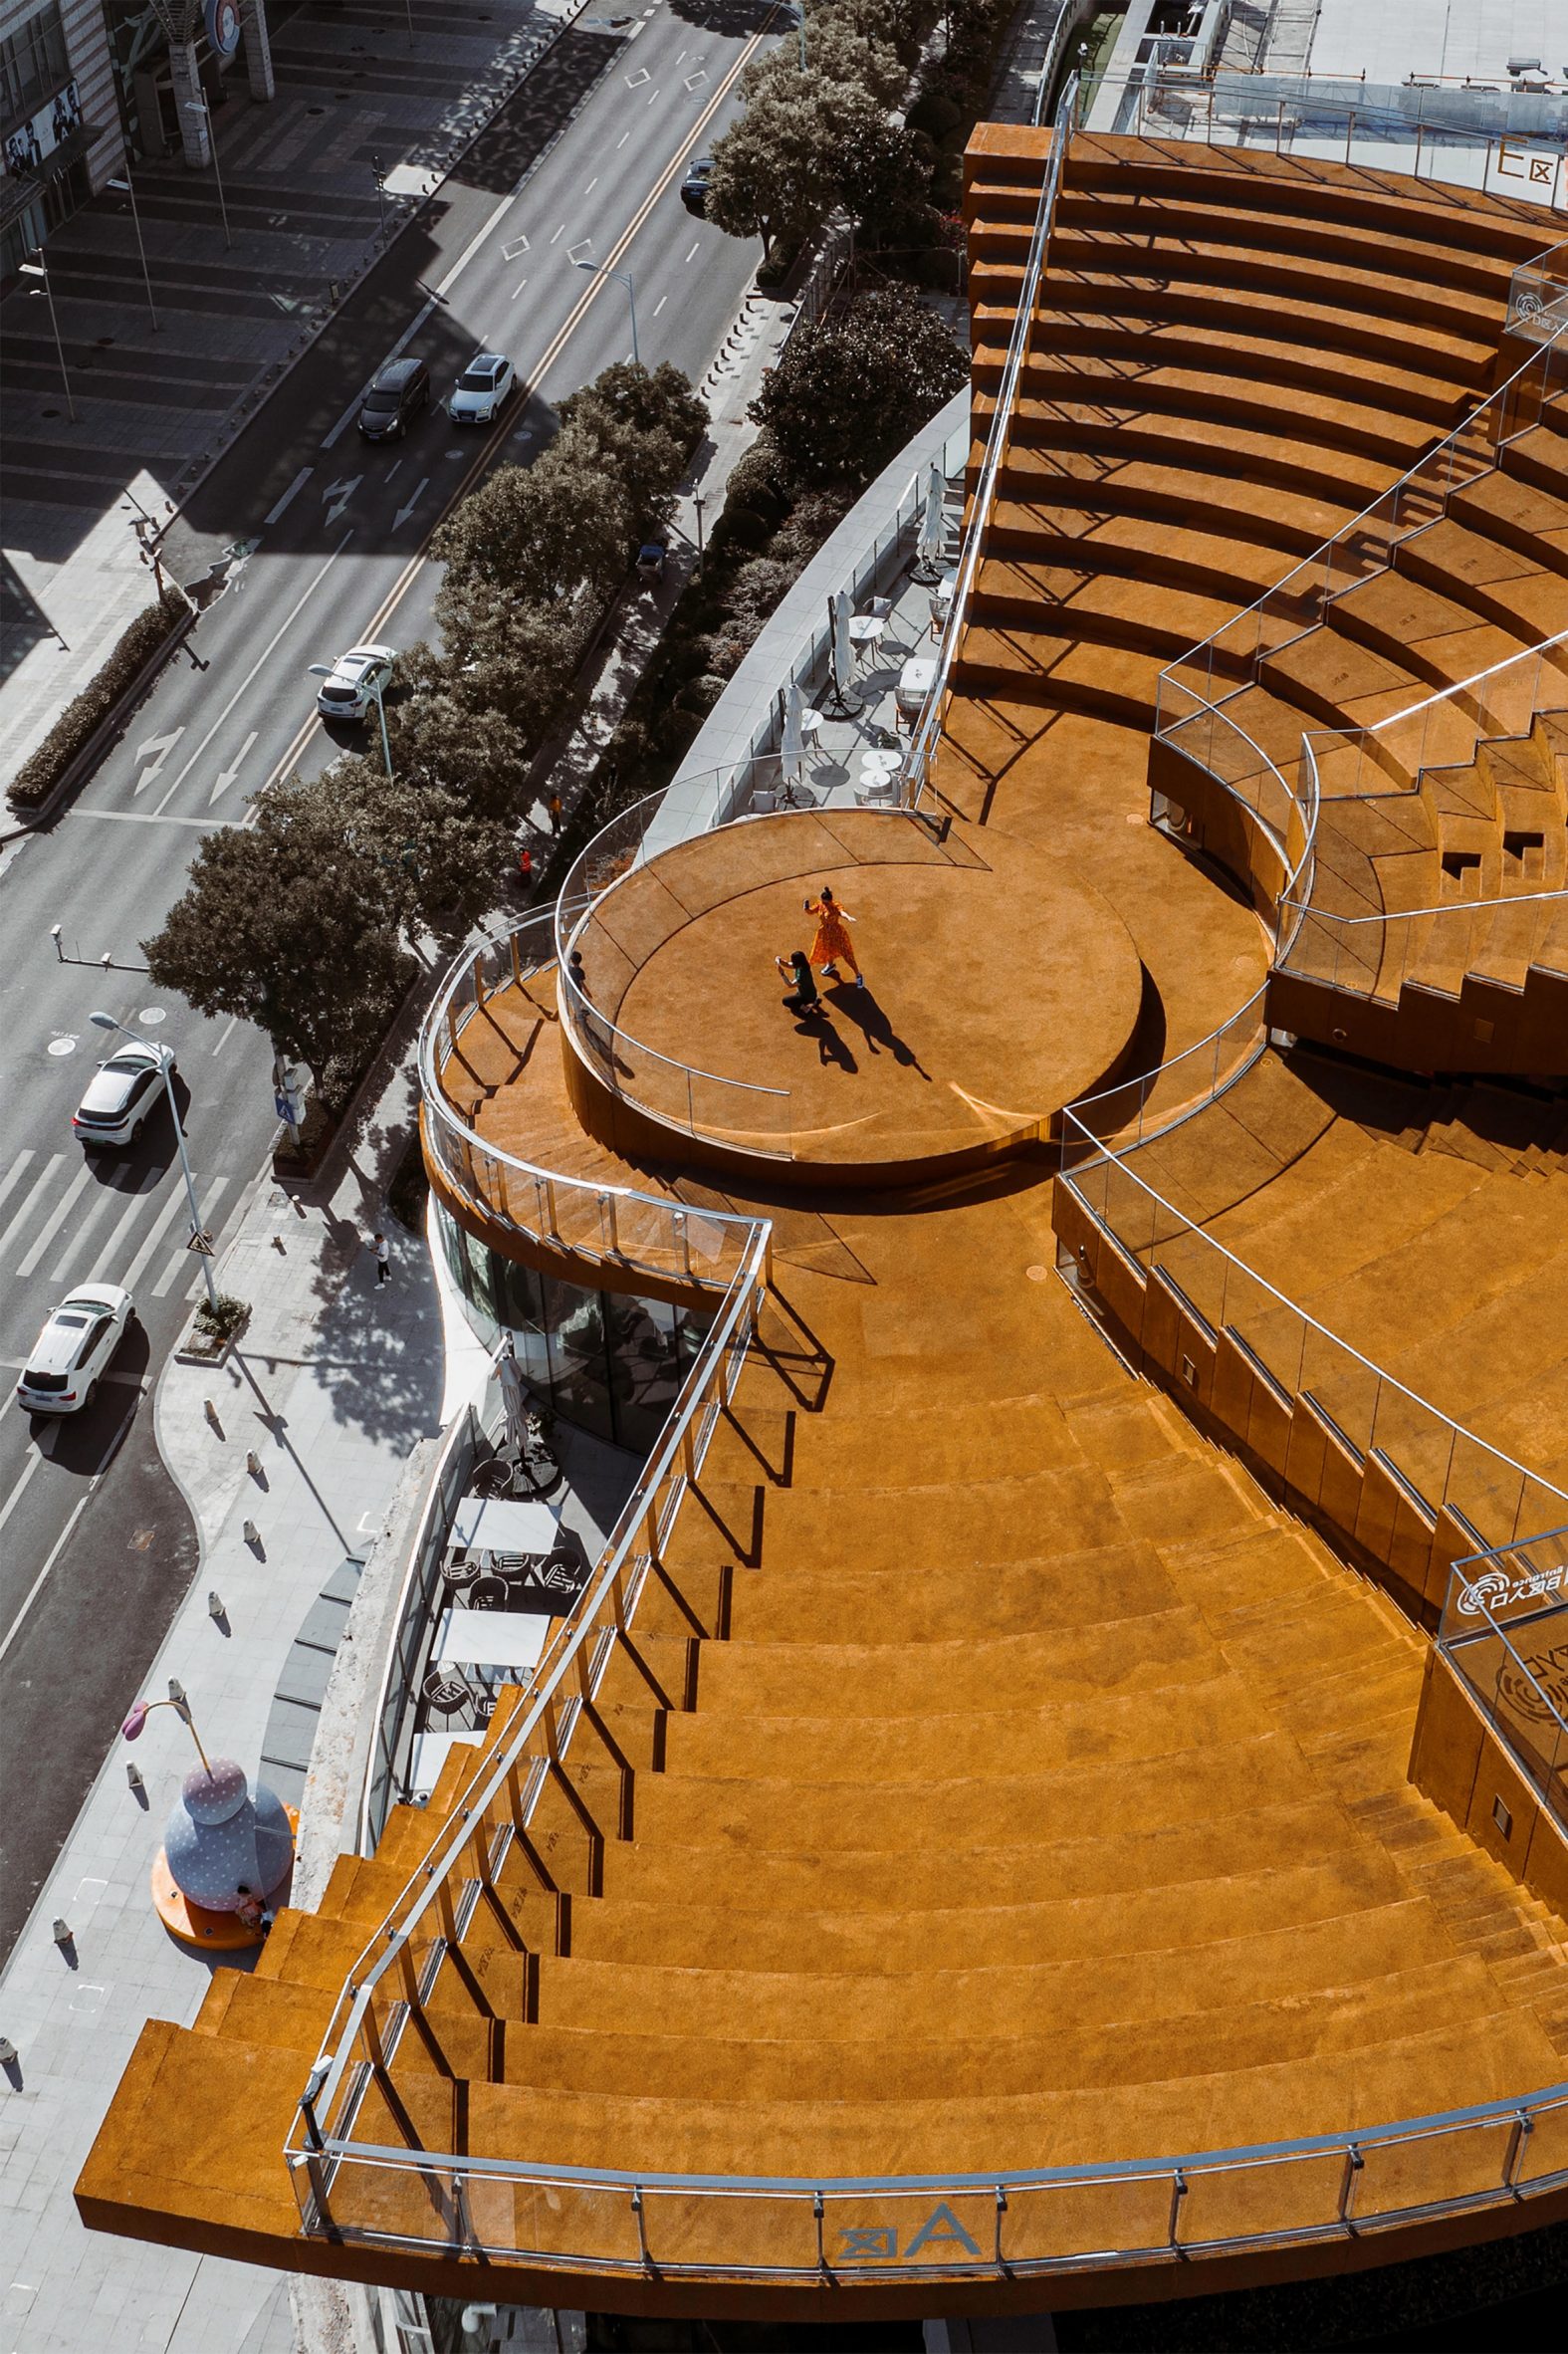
(849, 392)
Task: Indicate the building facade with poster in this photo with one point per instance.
(60, 123)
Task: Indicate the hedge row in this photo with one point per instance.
(42, 770)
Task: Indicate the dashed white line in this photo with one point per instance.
(560, 232)
(226, 1033)
(592, 185)
(694, 249)
(659, 305)
(103, 1461)
(517, 290)
(297, 485)
(621, 141)
(655, 95)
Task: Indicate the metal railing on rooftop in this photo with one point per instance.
(928, 729)
(609, 1224)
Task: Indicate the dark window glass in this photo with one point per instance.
(575, 1319)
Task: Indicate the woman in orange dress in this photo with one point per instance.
(831, 947)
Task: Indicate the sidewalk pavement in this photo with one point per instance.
(156, 405)
(333, 1382)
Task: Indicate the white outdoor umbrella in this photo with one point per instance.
(843, 651)
(933, 524)
(514, 1397)
(791, 752)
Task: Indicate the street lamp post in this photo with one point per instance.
(125, 188)
(167, 1065)
(697, 503)
(201, 107)
(375, 686)
(622, 278)
(38, 268)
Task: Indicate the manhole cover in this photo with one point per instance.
(65, 1043)
(1037, 1275)
(152, 1016)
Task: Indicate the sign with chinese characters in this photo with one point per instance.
(1496, 1592)
(30, 146)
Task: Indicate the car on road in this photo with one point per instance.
(71, 1355)
(694, 187)
(483, 390)
(120, 1096)
(358, 678)
(398, 394)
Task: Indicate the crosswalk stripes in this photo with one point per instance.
(55, 1219)
(19, 1216)
(66, 1232)
(213, 1192)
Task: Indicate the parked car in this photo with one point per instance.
(121, 1096)
(397, 394)
(69, 1358)
(357, 678)
(694, 187)
(483, 390)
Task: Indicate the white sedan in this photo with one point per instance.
(120, 1094)
(71, 1355)
(483, 390)
(354, 681)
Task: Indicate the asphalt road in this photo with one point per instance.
(95, 1549)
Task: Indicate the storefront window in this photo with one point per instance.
(608, 1361)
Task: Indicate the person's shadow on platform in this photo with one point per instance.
(831, 1047)
(859, 1006)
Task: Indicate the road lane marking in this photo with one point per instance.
(52, 1222)
(226, 1033)
(339, 494)
(592, 185)
(621, 141)
(152, 817)
(535, 375)
(517, 290)
(103, 1461)
(162, 746)
(107, 1257)
(135, 1271)
(180, 1261)
(13, 1175)
(659, 305)
(229, 774)
(60, 1273)
(694, 249)
(560, 232)
(655, 95)
(21, 1215)
(262, 658)
(403, 513)
(9, 1506)
(296, 486)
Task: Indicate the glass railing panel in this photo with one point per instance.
(750, 2231)
(1270, 2199)
(1344, 1385)
(1489, 1489)
(549, 2220)
(1444, 2169)
(1542, 2154)
(1080, 2218)
(903, 2230)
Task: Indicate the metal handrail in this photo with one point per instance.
(1450, 441)
(929, 727)
(579, 1016)
(436, 1105)
(422, 1889)
(1189, 1226)
(1405, 916)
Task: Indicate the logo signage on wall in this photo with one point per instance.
(223, 26)
(30, 144)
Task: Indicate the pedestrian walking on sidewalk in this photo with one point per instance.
(553, 808)
(831, 947)
(384, 1260)
(525, 865)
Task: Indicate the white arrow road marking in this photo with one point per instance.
(162, 746)
(262, 657)
(339, 494)
(403, 513)
(229, 774)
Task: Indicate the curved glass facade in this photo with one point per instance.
(604, 1359)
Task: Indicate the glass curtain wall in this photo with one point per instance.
(606, 1360)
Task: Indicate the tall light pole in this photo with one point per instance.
(37, 268)
(201, 107)
(800, 20)
(165, 1063)
(124, 188)
(373, 686)
(622, 278)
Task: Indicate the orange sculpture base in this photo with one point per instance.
(195, 1925)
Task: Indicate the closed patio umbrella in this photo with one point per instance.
(845, 695)
(792, 751)
(514, 1397)
(933, 525)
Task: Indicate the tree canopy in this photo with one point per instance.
(851, 391)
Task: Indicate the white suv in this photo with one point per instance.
(356, 680)
(121, 1095)
(483, 390)
(70, 1356)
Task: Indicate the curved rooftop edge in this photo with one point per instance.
(388, 2172)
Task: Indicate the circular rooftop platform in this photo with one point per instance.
(997, 989)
